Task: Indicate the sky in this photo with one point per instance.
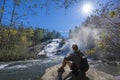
(59, 19)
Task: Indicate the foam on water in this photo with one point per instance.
(51, 48)
(19, 64)
(17, 67)
(2, 66)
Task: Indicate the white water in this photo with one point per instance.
(51, 48)
(2, 66)
(17, 67)
(29, 63)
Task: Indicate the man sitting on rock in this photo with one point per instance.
(78, 64)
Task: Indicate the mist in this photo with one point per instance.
(86, 36)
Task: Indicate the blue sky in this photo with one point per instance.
(56, 19)
(59, 19)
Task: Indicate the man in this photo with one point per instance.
(73, 61)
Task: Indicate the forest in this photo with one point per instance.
(16, 38)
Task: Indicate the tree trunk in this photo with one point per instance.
(12, 15)
(11, 24)
(2, 11)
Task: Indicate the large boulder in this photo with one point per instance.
(93, 74)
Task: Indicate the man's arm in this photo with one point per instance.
(67, 60)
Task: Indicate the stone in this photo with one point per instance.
(92, 74)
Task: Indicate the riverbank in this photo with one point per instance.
(31, 54)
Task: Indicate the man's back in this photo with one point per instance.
(75, 57)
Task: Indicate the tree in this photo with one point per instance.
(2, 11)
(38, 35)
(70, 33)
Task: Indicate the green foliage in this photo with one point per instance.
(38, 35)
(35, 5)
(26, 0)
(102, 35)
(17, 2)
(91, 51)
(15, 42)
(1, 10)
(112, 14)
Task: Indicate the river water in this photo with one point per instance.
(27, 70)
(34, 69)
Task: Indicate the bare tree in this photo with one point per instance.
(1, 15)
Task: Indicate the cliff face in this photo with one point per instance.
(93, 74)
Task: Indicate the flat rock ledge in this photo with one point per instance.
(93, 74)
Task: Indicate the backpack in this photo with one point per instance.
(83, 64)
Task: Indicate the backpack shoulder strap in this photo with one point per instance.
(80, 54)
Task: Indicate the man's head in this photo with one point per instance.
(75, 47)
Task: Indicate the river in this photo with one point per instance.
(28, 69)
(34, 69)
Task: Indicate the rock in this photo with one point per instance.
(93, 74)
(117, 77)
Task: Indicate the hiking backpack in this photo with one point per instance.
(83, 65)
